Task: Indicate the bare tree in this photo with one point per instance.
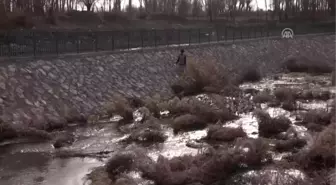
(88, 4)
(184, 7)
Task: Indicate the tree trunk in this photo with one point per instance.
(88, 6)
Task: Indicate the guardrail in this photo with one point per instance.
(40, 43)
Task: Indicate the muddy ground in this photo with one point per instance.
(278, 119)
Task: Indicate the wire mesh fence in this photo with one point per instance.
(39, 43)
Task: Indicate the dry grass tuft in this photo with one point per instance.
(188, 122)
(121, 107)
(269, 127)
(219, 133)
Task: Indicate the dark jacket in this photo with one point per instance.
(181, 59)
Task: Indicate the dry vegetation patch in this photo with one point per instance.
(270, 127)
(188, 122)
(201, 76)
(249, 74)
(193, 106)
(317, 116)
(120, 106)
(263, 97)
(209, 167)
(289, 145)
(220, 133)
(321, 155)
(303, 64)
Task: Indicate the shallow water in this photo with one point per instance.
(36, 164)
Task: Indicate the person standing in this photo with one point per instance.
(181, 62)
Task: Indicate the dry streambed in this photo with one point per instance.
(265, 141)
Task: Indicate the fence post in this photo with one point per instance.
(255, 32)
(234, 34)
(209, 35)
(77, 43)
(179, 36)
(128, 39)
(199, 35)
(167, 37)
(142, 41)
(241, 34)
(112, 40)
(34, 43)
(56, 41)
(9, 43)
(96, 41)
(155, 38)
(225, 33)
(189, 35)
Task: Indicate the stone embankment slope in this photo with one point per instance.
(31, 88)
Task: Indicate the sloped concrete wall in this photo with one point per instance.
(31, 88)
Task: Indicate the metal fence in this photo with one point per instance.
(39, 43)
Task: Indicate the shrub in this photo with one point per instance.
(289, 145)
(115, 17)
(313, 94)
(135, 102)
(318, 116)
(322, 153)
(188, 122)
(314, 127)
(285, 94)
(120, 163)
(268, 126)
(200, 76)
(72, 115)
(147, 134)
(219, 133)
(64, 141)
(207, 168)
(152, 105)
(333, 78)
(252, 91)
(263, 97)
(193, 106)
(7, 131)
(250, 74)
(121, 107)
(302, 64)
